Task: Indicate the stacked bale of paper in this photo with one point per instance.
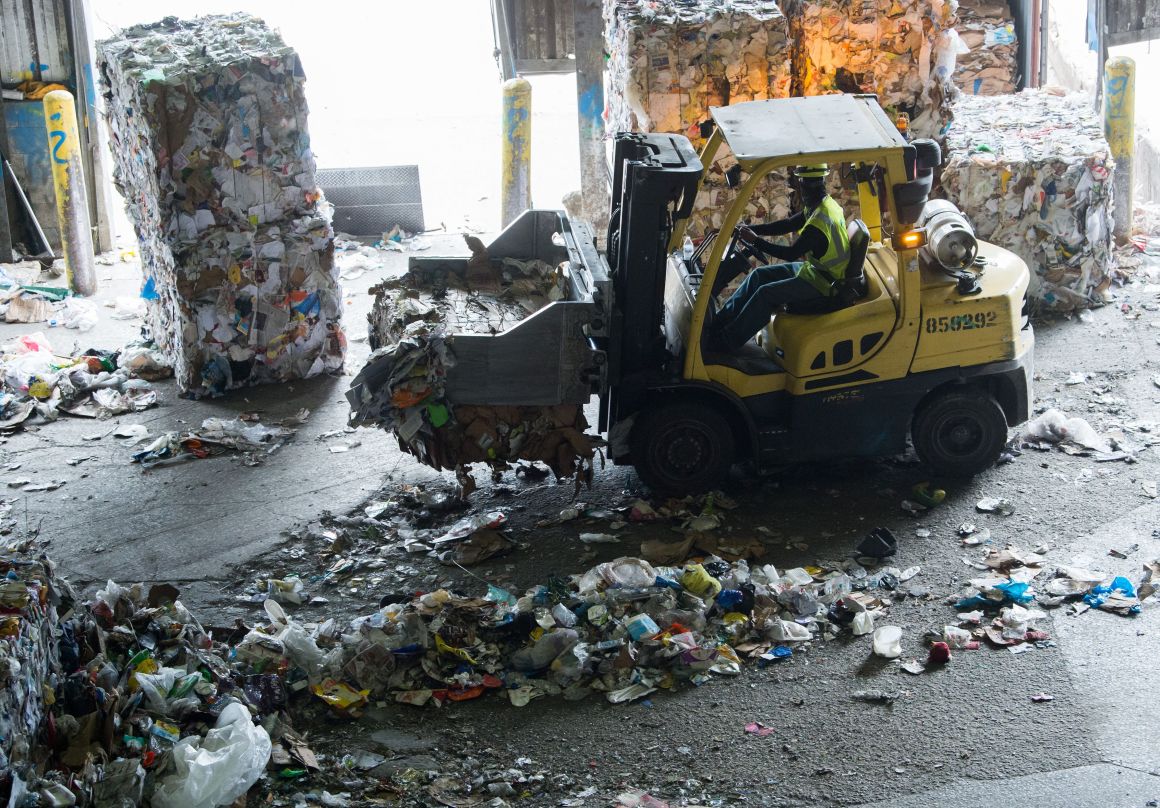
(1033, 173)
(211, 151)
(989, 65)
(902, 50)
(413, 324)
(30, 660)
(770, 202)
(670, 62)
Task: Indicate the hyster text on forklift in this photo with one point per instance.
(926, 336)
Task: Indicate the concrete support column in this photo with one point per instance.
(68, 175)
(1120, 130)
(516, 173)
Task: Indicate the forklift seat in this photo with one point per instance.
(852, 287)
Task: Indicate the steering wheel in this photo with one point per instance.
(738, 246)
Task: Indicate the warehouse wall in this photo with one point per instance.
(36, 44)
(33, 45)
(28, 153)
(34, 41)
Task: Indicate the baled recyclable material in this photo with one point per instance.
(989, 64)
(670, 62)
(207, 119)
(146, 709)
(413, 326)
(1033, 173)
(31, 599)
(902, 51)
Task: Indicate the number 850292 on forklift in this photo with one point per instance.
(927, 336)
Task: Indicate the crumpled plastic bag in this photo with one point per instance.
(219, 768)
(167, 691)
(299, 646)
(156, 687)
(786, 631)
(21, 370)
(625, 572)
(947, 48)
(79, 313)
(145, 361)
(1055, 427)
(1119, 585)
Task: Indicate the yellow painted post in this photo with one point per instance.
(68, 175)
(1120, 130)
(516, 179)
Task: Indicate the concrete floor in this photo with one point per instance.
(968, 735)
(191, 521)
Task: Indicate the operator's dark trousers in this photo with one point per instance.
(748, 310)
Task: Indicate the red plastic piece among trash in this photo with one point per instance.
(940, 654)
(465, 693)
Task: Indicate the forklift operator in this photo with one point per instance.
(823, 244)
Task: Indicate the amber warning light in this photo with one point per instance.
(910, 240)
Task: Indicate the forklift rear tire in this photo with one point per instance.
(960, 432)
(682, 448)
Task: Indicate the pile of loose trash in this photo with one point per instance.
(623, 629)
(31, 294)
(1011, 578)
(243, 435)
(93, 384)
(130, 697)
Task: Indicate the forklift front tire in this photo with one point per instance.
(682, 448)
(960, 432)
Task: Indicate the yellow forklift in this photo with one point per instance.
(927, 336)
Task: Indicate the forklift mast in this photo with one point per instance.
(654, 184)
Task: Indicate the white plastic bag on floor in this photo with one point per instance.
(1055, 427)
(79, 313)
(219, 768)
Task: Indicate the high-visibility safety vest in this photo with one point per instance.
(822, 272)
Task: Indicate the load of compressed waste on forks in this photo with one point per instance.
(458, 362)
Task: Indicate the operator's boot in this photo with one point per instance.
(729, 269)
(709, 336)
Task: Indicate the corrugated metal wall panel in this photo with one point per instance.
(542, 32)
(1132, 21)
(34, 41)
(56, 62)
(16, 34)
